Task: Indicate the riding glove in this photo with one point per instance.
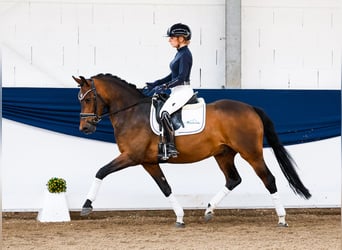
(160, 89)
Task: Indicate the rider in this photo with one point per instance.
(178, 81)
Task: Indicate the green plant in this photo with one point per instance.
(56, 185)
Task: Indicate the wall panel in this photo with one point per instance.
(123, 38)
(298, 40)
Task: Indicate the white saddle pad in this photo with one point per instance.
(193, 116)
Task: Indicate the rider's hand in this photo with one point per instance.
(148, 91)
(160, 89)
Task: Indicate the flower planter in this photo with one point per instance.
(55, 208)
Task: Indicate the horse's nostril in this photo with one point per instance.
(84, 129)
(87, 129)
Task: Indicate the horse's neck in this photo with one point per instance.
(128, 99)
(120, 97)
(118, 92)
(127, 119)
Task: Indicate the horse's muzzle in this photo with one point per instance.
(87, 128)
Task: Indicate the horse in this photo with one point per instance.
(231, 128)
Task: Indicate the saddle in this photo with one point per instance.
(190, 119)
(176, 117)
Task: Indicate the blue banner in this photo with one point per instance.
(299, 115)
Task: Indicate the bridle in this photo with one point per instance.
(97, 118)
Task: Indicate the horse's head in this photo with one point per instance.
(92, 105)
(105, 95)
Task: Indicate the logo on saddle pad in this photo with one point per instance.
(189, 120)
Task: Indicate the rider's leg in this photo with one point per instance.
(169, 134)
(178, 97)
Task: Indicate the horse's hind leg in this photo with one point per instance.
(158, 176)
(225, 161)
(268, 179)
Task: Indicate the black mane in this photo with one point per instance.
(111, 77)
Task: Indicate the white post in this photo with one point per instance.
(55, 208)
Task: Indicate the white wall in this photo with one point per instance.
(285, 44)
(291, 44)
(31, 156)
(47, 42)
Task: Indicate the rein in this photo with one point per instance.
(98, 118)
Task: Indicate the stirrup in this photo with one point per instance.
(163, 155)
(166, 150)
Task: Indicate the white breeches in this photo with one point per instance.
(178, 97)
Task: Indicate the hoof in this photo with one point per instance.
(281, 224)
(208, 216)
(86, 211)
(180, 225)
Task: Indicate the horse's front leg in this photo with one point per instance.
(157, 174)
(121, 162)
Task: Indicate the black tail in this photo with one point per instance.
(286, 163)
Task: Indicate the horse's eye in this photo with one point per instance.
(87, 100)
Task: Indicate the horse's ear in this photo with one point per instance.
(80, 80)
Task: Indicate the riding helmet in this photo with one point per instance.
(179, 29)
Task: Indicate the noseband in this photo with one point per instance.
(97, 118)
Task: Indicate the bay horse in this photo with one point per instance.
(232, 127)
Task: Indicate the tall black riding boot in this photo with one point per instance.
(169, 135)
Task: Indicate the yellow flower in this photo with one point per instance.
(56, 185)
